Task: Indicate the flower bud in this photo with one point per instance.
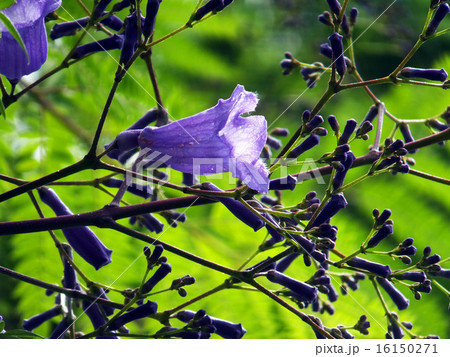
(150, 17)
(348, 131)
(333, 123)
(147, 309)
(439, 15)
(160, 274)
(353, 16)
(430, 74)
(306, 145)
(332, 207)
(375, 268)
(338, 53)
(335, 6)
(416, 276)
(302, 291)
(37, 320)
(284, 183)
(397, 297)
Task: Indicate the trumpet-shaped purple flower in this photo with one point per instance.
(82, 239)
(216, 140)
(28, 18)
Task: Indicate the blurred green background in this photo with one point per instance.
(243, 44)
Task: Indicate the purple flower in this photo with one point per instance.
(339, 177)
(28, 18)
(70, 276)
(93, 312)
(102, 4)
(326, 19)
(443, 273)
(325, 50)
(332, 207)
(353, 16)
(215, 140)
(82, 239)
(301, 290)
(307, 144)
(130, 39)
(439, 15)
(333, 123)
(381, 234)
(152, 223)
(211, 5)
(338, 53)
(159, 275)
(238, 209)
(397, 297)
(349, 128)
(69, 28)
(431, 74)
(307, 245)
(150, 17)
(113, 42)
(375, 268)
(274, 143)
(36, 321)
(144, 310)
(335, 6)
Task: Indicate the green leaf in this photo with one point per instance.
(19, 334)
(6, 3)
(12, 30)
(2, 112)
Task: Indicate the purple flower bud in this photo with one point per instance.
(335, 6)
(333, 123)
(436, 124)
(396, 296)
(349, 128)
(326, 18)
(344, 26)
(107, 309)
(431, 74)
(363, 129)
(332, 293)
(433, 259)
(407, 242)
(82, 239)
(238, 209)
(302, 291)
(332, 207)
(424, 287)
(338, 53)
(439, 15)
(353, 16)
(113, 22)
(150, 17)
(284, 183)
(284, 263)
(159, 275)
(443, 273)
(60, 330)
(135, 189)
(325, 50)
(314, 122)
(396, 145)
(275, 144)
(307, 245)
(318, 256)
(111, 43)
(130, 39)
(37, 320)
(121, 5)
(70, 276)
(100, 8)
(28, 19)
(388, 162)
(407, 251)
(381, 234)
(68, 28)
(157, 252)
(279, 132)
(375, 268)
(339, 177)
(211, 5)
(93, 312)
(147, 309)
(306, 145)
(269, 200)
(152, 223)
(417, 276)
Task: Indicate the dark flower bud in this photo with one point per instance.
(353, 16)
(431, 74)
(407, 324)
(338, 53)
(275, 144)
(285, 183)
(333, 123)
(130, 38)
(314, 122)
(318, 322)
(189, 179)
(403, 169)
(101, 293)
(344, 26)
(36, 321)
(121, 5)
(388, 162)
(407, 242)
(383, 217)
(269, 200)
(82, 239)
(397, 297)
(348, 131)
(320, 131)
(151, 223)
(385, 231)
(325, 18)
(135, 189)
(147, 309)
(339, 177)
(68, 28)
(279, 132)
(362, 325)
(159, 275)
(113, 22)
(424, 287)
(375, 268)
(150, 17)
(442, 273)
(427, 251)
(416, 276)
(332, 207)
(363, 129)
(307, 245)
(113, 42)
(302, 291)
(318, 256)
(306, 116)
(210, 6)
(344, 333)
(92, 310)
(60, 330)
(439, 15)
(407, 251)
(325, 50)
(284, 263)
(228, 329)
(154, 257)
(335, 6)
(238, 209)
(436, 124)
(288, 66)
(98, 11)
(433, 259)
(395, 146)
(306, 145)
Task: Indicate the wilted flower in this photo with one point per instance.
(82, 239)
(28, 18)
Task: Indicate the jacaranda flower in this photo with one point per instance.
(215, 140)
(28, 18)
(82, 239)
